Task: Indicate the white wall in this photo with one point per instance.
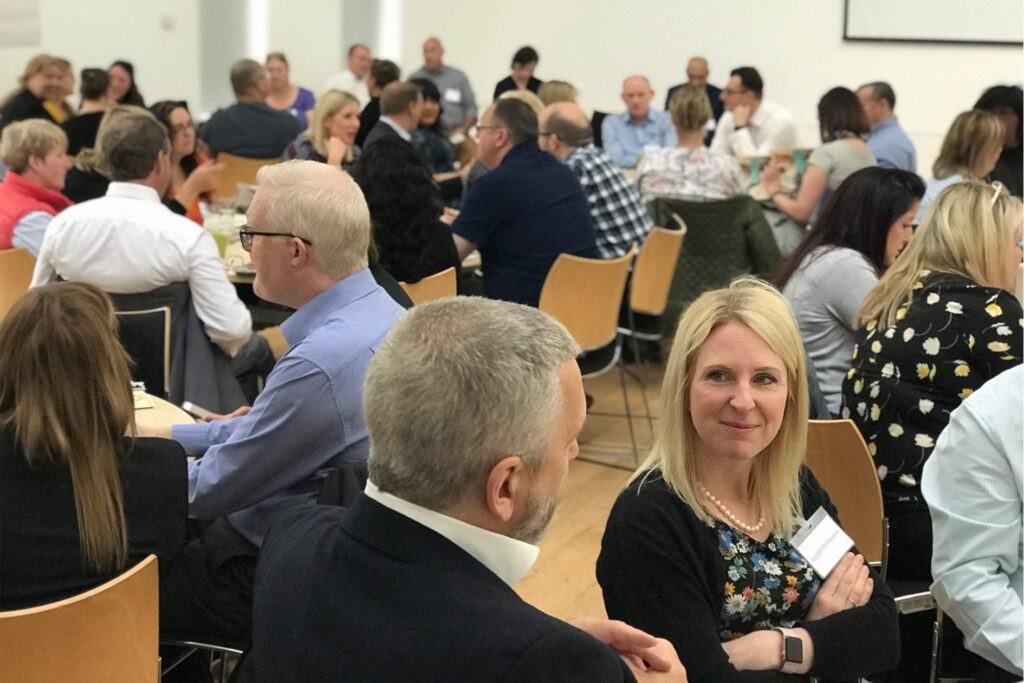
(159, 37)
(796, 44)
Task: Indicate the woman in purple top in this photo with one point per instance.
(283, 95)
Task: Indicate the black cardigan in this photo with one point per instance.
(661, 571)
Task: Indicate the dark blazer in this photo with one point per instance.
(40, 556)
(366, 594)
(368, 118)
(23, 105)
(382, 131)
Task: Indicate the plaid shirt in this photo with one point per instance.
(620, 217)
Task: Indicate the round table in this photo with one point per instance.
(156, 413)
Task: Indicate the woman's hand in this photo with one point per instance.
(336, 151)
(203, 179)
(848, 585)
(771, 178)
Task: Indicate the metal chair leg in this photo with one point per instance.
(629, 413)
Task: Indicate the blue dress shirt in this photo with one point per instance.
(624, 139)
(891, 146)
(308, 419)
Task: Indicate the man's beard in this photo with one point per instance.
(539, 510)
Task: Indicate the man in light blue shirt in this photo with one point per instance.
(308, 234)
(888, 142)
(625, 135)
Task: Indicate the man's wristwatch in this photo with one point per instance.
(792, 652)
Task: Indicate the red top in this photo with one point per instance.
(19, 197)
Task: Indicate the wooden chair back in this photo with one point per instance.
(436, 286)
(585, 295)
(109, 633)
(237, 170)
(146, 336)
(839, 458)
(16, 266)
(655, 266)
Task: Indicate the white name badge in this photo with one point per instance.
(821, 542)
(452, 95)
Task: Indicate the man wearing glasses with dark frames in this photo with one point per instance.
(751, 126)
(308, 234)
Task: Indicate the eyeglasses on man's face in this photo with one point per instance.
(245, 234)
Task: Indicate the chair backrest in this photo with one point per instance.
(655, 266)
(839, 458)
(109, 633)
(146, 336)
(436, 286)
(585, 295)
(237, 170)
(16, 266)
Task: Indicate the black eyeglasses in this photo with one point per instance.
(245, 234)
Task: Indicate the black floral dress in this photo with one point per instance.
(904, 382)
(768, 584)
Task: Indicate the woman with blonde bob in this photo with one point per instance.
(697, 547)
(331, 136)
(80, 501)
(939, 324)
(970, 150)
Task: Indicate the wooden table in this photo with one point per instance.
(156, 413)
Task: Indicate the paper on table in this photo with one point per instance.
(821, 542)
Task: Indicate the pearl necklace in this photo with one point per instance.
(732, 518)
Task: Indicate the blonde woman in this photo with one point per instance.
(939, 324)
(40, 83)
(80, 501)
(689, 170)
(697, 547)
(331, 136)
(557, 91)
(970, 150)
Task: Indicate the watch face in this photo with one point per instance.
(794, 650)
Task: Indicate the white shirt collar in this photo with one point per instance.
(507, 557)
(406, 135)
(132, 191)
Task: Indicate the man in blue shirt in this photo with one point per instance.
(625, 135)
(523, 213)
(308, 233)
(888, 142)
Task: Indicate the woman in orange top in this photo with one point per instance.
(192, 173)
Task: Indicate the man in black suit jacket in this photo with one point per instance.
(415, 581)
(697, 77)
(400, 104)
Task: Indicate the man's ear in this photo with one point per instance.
(299, 252)
(506, 484)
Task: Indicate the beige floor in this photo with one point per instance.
(562, 582)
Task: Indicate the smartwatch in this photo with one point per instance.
(792, 652)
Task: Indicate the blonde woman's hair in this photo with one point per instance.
(23, 140)
(92, 159)
(322, 204)
(53, 333)
(690, 108)
(775, 477)
(40, 62)
(534, 102)
(965, 231)
(973, 134)
(557, 91)
(327, 105)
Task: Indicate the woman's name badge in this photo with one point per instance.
(821, 542)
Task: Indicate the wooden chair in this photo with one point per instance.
(436, 286)
(146, 336)
(109, 633)
(585, 295)
(16, 266)
(237, 170)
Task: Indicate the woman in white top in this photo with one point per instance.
(844, 127)
(857, 236)
(688, 170)
(970, 149)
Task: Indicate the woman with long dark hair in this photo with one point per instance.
(857, 236)
(122, 88)
(192, 173)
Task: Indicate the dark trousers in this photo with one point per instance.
(910, 556)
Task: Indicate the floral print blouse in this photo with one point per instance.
(768, 584)
(951, 338)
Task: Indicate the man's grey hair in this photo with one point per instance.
(456, 386)
(880, 90)
(322, 204)
(244, 74)
(131, 144)
(569, 133)
(518, 118)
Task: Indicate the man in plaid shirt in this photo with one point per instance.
(620, 217)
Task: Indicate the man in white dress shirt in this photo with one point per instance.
(128, 242)
(752, 125)
(973, 482)
(353, 80)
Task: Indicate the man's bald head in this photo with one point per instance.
(563, 128)
(697, 72)
(637, 94)
(433, 52)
